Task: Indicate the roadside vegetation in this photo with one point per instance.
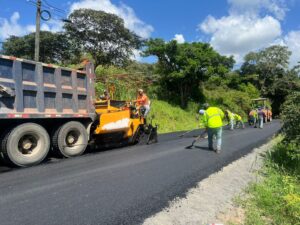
(276, 199)
(170, 118)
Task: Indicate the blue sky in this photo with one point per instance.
(233, 27)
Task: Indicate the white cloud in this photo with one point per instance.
(131, 21)
(11, 26)
(254, 7)
(52, 25)
(292, 40)
(179, 38)
(136, 55)
(248, 27)
(237, 35)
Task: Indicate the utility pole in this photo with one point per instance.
(37, 31)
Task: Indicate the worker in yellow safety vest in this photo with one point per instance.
(238, 121)
(230, 118)
(213, 118)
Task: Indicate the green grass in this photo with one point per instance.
(172, 118)
(276, 199)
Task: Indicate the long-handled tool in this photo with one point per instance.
(202, 135)
(181, 135)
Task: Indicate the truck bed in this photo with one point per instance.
(31, 89)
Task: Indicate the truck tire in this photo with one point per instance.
(25, 145)
(70, 139)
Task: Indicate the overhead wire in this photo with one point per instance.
(54, 7)
(54, 10)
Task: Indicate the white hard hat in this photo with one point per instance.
(201, 111)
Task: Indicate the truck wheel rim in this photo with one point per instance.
(72, 138)
(28, 143)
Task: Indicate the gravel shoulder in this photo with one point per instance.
(209, 201)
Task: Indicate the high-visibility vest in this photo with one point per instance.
(230, 115)
(213, 117)
(253, 113)
(237, 117)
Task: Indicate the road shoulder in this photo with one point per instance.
(214, 195)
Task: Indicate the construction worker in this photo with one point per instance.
(238, 121)
(253, 117)
(230, 118)
(105, 96)
(261, 116)
(213, 118)
(268, 115)
(143, 102)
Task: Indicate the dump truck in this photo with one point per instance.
(44, 107)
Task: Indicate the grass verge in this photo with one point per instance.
(172, 118)
(276, 199)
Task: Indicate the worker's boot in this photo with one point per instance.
(218, 150)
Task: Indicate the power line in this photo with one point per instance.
(53, 10)
(54, 7)
(60, 15)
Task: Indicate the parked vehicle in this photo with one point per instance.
(45, 107)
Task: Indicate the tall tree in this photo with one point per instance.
(270, 64)
(276, 80)
(184, 66)
(103, 35)
(54, 47)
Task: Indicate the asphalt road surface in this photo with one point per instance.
(121, 186)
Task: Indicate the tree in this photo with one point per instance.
(103, 35)
(270, 64)
(54, 47)
(184, 66)
(275, 80)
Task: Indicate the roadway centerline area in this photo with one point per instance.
(121, 186)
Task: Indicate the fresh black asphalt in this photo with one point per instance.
(121, 186)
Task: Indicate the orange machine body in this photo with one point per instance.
(117, 116)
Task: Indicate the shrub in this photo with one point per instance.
(291, 118)
(286, 157)
(275, 200)
(225, 98)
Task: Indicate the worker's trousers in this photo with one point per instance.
(214, 132)
(261, 122)
(231, 124)
(147, 107)
(238, 123)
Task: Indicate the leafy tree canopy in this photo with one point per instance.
(54, 47)
(183, 66)
(270, 63)
(103, 35)
(275, 79)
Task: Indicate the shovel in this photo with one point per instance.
(197, 139)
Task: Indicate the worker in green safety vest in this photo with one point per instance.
(230, 118)
(238, 121)
(213, 118)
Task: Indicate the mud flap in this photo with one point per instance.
(152, 134)
(147, 134)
